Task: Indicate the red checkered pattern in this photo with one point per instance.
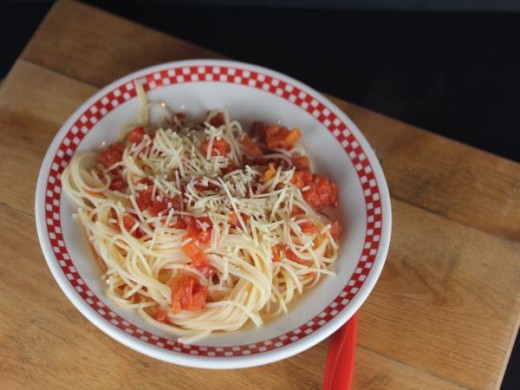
(233, 75)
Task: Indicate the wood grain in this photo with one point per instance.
(105, 39)
(444, 176)
(423, 169)
(443, 315)
(425, 269)
(455, 295)
(38, 349)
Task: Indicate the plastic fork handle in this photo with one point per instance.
(339, 368)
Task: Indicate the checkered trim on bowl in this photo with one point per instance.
(222, 74)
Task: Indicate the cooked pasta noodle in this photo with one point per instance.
(201, 228)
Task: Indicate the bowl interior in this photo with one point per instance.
(335, 146)
(245, 105)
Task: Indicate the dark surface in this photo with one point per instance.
(456, 74)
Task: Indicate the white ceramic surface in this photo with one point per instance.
(250, 93)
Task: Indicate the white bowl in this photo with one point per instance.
(250, 93)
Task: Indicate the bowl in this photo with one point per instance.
(250, 93)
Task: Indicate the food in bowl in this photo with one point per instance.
(249, 92)
(205, 227)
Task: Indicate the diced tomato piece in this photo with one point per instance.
(112, 155)
(204, 236)
(301, 179)
(179, 224)
(326, 189)
(298, 180)
(166, 204)
(199, 237)
(161, 316)
(230, 168)
(217, 120)
(201, 263)
(145, 180)
(322, 185)
(292, 256)
(136, 135)
(277, 252)
(269, 173)
(302, 163)
(117, 171)
(220, 147)
(175, 202)
(180, 116)
(309, 228)
(117, 183)
(204, 219)
(129, 223)
(195, 231)
(335, 230)
(321, 192)
(279, 137)
(251, 147)
(157, 207)
(234, 221)
(193, 251)
(118, 146)
(204, 148)
(188, 294)
(297, 211)
(192, 227)
(258, 130)
(313, 198)
(144, 199)
(292, 137)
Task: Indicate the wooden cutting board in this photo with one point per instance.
(444, 314)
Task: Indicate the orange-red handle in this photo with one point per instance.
(339, 368)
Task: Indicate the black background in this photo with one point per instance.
(453, 73)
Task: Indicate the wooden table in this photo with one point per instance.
(444, 314)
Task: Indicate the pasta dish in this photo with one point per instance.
(203, 227)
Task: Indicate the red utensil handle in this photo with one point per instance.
(339, 368)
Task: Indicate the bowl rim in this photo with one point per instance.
(344, 129)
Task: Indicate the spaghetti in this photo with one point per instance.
(204, 227)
